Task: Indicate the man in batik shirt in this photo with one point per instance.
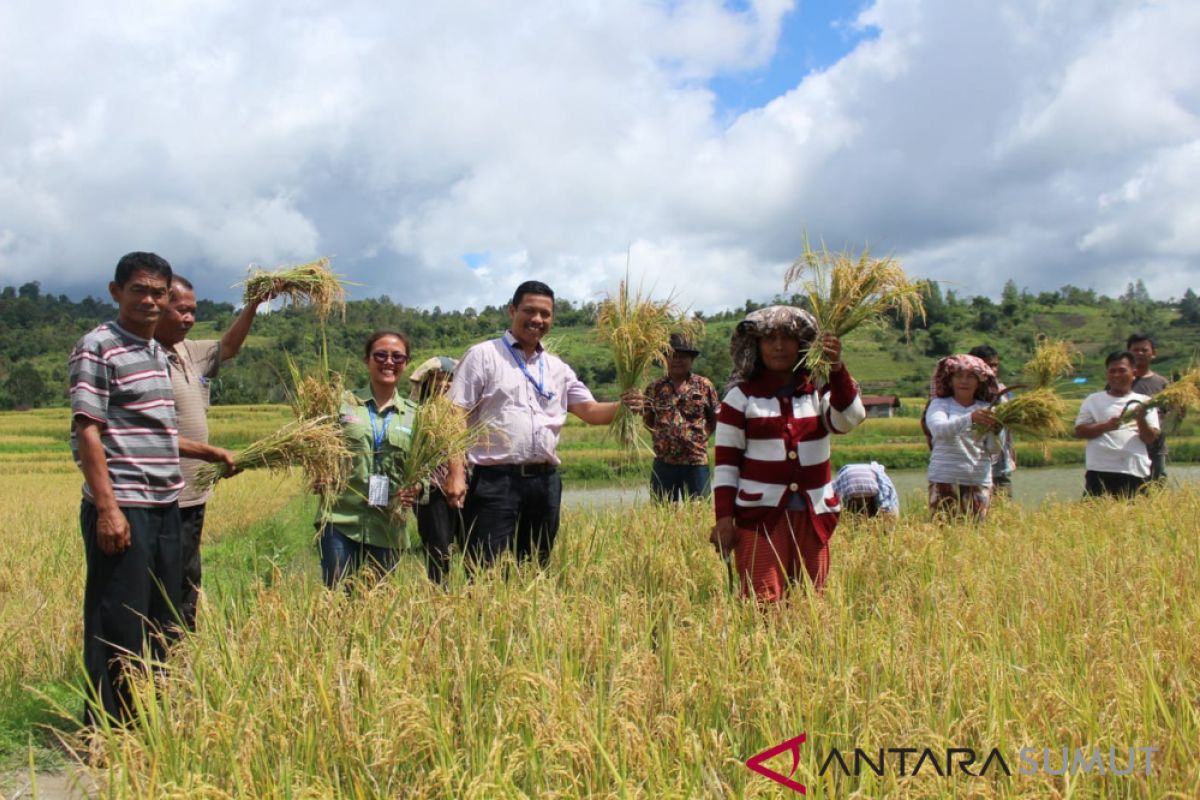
(681, 411)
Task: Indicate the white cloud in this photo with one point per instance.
(1047, 142)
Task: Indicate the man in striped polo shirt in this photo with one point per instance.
(193, 364)
(125, 439)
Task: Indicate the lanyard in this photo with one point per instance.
(379, 435)
(540, 383)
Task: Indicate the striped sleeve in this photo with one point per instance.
(731, 447)
(90, 380)
(841, 406)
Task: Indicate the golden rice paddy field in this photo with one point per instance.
(629, 669)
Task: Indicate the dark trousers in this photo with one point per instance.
(191, 527)
(129, 602)
(438, 526)
(678, 481)
(1115, 484)
(342, 557)
(508, 511)
(1158, 467)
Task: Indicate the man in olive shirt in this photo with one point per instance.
(193, 365)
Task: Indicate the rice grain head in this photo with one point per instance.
(1053, 360)
(439, 434)
(845, 291)
(638, 331)
(313, 283)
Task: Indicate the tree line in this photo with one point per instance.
(37, 331)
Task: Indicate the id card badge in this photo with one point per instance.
(377, 491)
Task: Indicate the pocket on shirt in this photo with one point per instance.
(749, 497)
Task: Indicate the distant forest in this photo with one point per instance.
(38, 330)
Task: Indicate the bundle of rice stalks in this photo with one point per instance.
(638, 330)
(315, 445)
(1052, 361)
(1037, 414)
(845, 292)
(316, 395)
(1176, 400)
(440, 434)
(312, 282)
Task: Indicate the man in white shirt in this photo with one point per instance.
(1118, 462)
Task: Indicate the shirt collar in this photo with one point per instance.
(512, 342)
(152, 344)
(368, 398)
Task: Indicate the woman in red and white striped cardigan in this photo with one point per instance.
(772, 487)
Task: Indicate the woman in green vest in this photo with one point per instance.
(358, 529)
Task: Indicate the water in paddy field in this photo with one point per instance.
(1031, 487)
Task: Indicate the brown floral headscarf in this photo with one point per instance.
(940, 385)
(743, 347)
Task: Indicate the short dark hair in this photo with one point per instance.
(377, 335)
(179, 280)
(984, 351)
(135, 262)
(531, 287)
(1134, 338)
(1117, 355)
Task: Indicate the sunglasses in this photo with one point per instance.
(396, 357)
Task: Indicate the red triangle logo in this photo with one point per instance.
(755, 763)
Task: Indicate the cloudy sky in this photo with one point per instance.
(442, 152)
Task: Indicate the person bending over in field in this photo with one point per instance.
(1117, 456)
(438, 525)
(866, 489)
(359, 529)
(774, 500)
(125, 439)
(193, 365)
(960, 464)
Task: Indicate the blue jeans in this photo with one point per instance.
(342, 557)
(678, 481)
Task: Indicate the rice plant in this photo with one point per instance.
(638, 330)
(1037, 414)
(1177, 399)
(313, 283)
(845, 292)
(316, 445)
(1052, 361)
(440, 434)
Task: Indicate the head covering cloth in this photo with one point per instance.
(743, 346)
(940, 385)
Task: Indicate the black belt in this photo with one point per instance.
(520, 470)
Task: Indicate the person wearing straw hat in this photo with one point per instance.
(193, 366)
(960, 462)
(438, 525)
(522, 394)
(681, 413)
(772, 488)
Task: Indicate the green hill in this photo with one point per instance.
(37, 332)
